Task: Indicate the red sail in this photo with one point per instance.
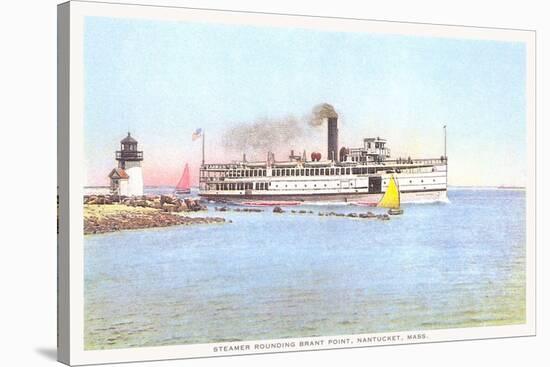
(185, 181)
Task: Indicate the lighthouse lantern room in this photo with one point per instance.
(127, 178)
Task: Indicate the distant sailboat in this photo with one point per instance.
(392, 199)
(184, 184)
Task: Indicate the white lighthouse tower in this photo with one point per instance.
(127, 178)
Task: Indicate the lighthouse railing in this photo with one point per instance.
(129, 155)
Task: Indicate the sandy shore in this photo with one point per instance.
(118, 217)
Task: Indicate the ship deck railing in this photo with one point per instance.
(408, 162)
(403, 162)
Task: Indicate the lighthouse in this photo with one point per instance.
(127, 178)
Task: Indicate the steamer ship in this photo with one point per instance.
(357, 175)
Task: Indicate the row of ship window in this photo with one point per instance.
(266, 185)
(255, 186)
(241, 186)
(303, 172)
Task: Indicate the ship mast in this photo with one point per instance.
(445, 141)
(203, 133)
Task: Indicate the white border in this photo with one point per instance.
(80, 9)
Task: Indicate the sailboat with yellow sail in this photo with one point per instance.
(392, 198)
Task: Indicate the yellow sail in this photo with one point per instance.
(391, 198)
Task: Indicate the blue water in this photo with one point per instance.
(269, 275)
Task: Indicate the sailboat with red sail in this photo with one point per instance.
(184, 184)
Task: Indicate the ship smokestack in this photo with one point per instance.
(326, 112)
(332, 138)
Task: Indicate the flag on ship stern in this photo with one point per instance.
(196, 134)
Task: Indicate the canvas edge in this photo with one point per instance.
(531, 242)
(63, 183)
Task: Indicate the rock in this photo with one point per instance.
(169, 208)
(251, 210)
(193, 205)
(165, 199)
(352, 215)
(278, 209)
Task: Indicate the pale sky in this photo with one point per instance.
(163, 79)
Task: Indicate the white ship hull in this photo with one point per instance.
(414, 187)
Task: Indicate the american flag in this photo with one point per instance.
(196, 134)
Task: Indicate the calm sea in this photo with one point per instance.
(267, 275)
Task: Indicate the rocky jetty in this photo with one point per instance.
(279, 210)
(244, 210)
(110, 213)
(140, 220)
(167, 203)
(368, 215)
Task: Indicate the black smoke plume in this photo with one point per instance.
(320, 113)
(263, 135)
(279, 135)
